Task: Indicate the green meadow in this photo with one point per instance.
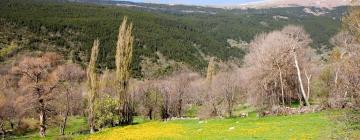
(322, 125)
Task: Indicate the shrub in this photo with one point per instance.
(106, 112)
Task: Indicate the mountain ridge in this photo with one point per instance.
(262, 4)
(290, 3)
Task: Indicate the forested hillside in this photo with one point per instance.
(182, 33)
(98, 69)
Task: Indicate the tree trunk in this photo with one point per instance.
(91, 116)
(150, 114)
(165, 112)
(42, 116)
(308, 77)
(282, 87)
(215, 110)
(12, 125)
(126, 110)
(230, 109)
(300, 80)
(42, 123)
(229, 96)
(180, 105)
(336, 76)
(126, 113)
(121, 101)
(63, 125)
(92, 125)
(300, 99)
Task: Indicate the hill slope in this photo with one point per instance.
(292, 3)
(181, 33)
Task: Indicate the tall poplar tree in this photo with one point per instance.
(123, 58)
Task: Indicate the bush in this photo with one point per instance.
(106, 112)
(27, 125)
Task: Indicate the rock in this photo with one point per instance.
(244, 115)
(231, 128)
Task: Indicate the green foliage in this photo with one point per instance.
(321, 87)
(320, 91)
(106, 113)
(73, 27)
(152, 98)
(8, 50)
(192, 111)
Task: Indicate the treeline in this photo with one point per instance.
(72, 27)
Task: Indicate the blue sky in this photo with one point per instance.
(197, 2)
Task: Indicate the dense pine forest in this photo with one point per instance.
(183, 37)
(103, 69)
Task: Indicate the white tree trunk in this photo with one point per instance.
(300, 80)
(282, 87)
(308, 77)
(336, 76)
(42, 116)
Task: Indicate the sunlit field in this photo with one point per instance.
(309, 126)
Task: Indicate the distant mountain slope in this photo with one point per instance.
(174, 31)
(292, 3)
(315, 3)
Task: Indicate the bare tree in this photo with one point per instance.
(298, 40)
(150, 102)
(68, 76)
(271, 64)
(352, 25)
(3, 112)
(345, 63)
(211, 99)
(149, 97)
(166, 91)
(181, 86)
(351, 20)
(13, 105)
(227, 86)
(36, 80)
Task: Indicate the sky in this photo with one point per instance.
(197, 2)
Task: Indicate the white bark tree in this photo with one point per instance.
(273, 61)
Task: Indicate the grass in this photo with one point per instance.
(297, 127)
(75, 126)
(308, 126)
